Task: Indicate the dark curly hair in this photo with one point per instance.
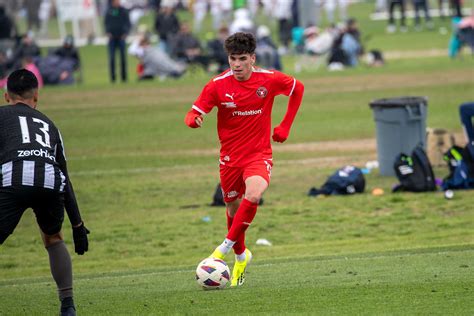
(22, 83)
(240, 43)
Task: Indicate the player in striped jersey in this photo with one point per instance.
(33, 175)
(244, 97)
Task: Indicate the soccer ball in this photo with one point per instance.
(212, 273)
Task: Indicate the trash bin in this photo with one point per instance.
(400, 127)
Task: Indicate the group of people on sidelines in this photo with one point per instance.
(61, 65)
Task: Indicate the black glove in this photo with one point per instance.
(81, 243)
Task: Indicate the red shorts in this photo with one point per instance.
(233, 178)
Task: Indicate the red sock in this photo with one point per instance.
(229, 220)
(239, 245)
(242, 219)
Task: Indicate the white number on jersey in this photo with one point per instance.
(43, 140)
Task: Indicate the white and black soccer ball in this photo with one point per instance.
(212, 273)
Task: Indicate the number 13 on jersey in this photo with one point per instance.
(43, 140)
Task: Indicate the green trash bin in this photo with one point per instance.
(400, 127)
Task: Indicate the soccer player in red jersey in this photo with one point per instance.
(244, 96)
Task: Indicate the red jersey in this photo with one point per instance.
(244, 112)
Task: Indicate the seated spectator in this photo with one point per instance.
(297, 39)
(25, 48)
(317, 43)
(346, 47)
(186, 47)
(153, 61)
(56, 70)
(216, 52)
(463, 35)
(28, 64)
(351, 44)
(69, 51)
(266, 51)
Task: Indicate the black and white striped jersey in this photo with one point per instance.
(32, 154)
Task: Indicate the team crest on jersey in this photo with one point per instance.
(262, 92)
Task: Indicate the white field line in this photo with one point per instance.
(283, 261)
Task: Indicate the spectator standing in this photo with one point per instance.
(330, 7)
(6, 25)
(44, 15)
(117, 26)
(308, 12)
(391, 28)
(456, 6)
(282, 12)
(167, 26)
(32, 9)
(7, 31)
(422, 5)
(221, 10)
(199, 13)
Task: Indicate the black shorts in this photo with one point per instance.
(47, 204)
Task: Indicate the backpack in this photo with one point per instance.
(461, 168)
(414, 172)
(347, 180)
(218, 199)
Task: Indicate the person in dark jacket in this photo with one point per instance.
(68, 50)
(167, 26)
(466, 111)
(7, 31)
(25, 48)
(6, 25)
(117, 26)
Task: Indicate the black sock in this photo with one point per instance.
(61, 269)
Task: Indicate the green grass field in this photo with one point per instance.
(144, 182)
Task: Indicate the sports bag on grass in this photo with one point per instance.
(347, 180)
(414, 172)
(461, 168)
